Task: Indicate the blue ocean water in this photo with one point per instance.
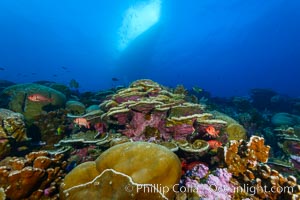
(225, 47)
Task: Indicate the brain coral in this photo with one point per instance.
(123, 170)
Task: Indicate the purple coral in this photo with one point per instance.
(224, 178)
(215, 186)
(200, 171)
(206, 191)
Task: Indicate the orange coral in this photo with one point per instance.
(245, 160)
(239, 155)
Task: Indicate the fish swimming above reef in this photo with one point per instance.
(39, 98)
(211, 131)
(197, 89)
(214, 144)
(114, 79)
(82, 122)
(2, 68)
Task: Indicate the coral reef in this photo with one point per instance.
(111, 184)
(133, 164)
(281, 119)
(12, 131)
(193, 150)
(267, 183)
(261, 97)
(204, 185)
(240, 155)
(20, 99)
(140, 140)
(147, 111)
(234, 130)
(75, 107)
(36, 176)
(287, 137)
(245, 160)
(2, 194)
(85, 154)
(51, 127)
(56, 86)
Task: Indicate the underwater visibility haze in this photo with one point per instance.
(226, 47)
(149, 99)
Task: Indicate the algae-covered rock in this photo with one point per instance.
(20, 102)
(124, 171)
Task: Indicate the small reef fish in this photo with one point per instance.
(39, 98)
(214, 144)
(212, 131)
(114, 79)
(39, 143)
(2, 68)
(82, 122)
(59, 131)
(197, 89)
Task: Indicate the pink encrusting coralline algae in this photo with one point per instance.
(136, 128)
(210, 186)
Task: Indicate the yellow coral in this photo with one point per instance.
(130, 164)
(235, 132)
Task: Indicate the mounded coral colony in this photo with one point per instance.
(129, 165)
(142, 142)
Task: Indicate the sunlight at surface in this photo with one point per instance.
(138, 19)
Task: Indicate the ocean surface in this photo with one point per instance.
(225, 47)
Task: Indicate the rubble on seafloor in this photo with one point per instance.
(148, 136)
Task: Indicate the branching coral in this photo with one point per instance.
(239, 155)
(245, 160)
